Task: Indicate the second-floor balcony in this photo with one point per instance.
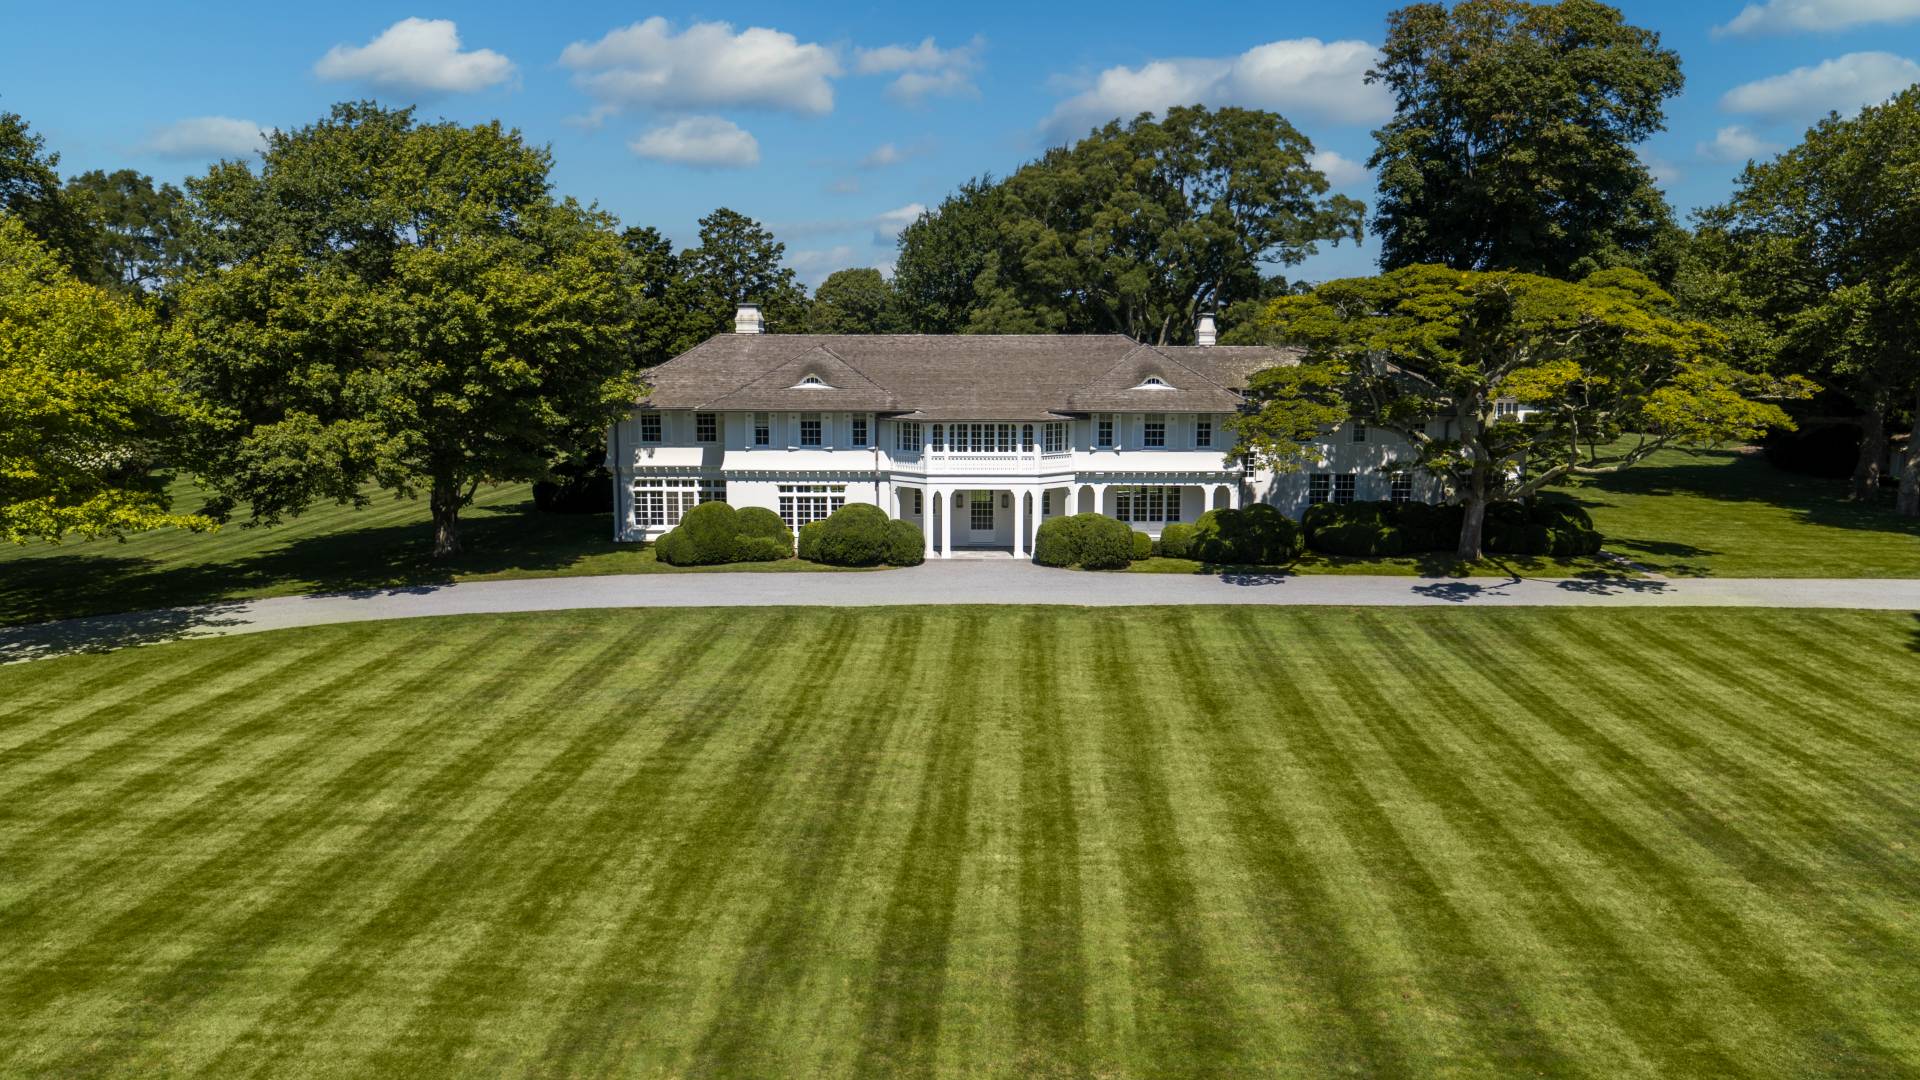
(1019, 462)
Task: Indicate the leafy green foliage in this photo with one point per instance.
(134, 227)
(1597, 359)
(905, 545)
(1088, 541)
(738, 261)
(857, 534)
(395, 303)
(1817, 254)
(1135, 229)
(30, 192)
(1511, 146)
(84, 404)
(1258, 535)
(857, 301)
(1142, 546)
(708, 534)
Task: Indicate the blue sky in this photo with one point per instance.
(833, 122)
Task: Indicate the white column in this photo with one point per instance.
(946, 521)
(1233, 496)
(926, 519)
(1099, 498)
(1019, 523)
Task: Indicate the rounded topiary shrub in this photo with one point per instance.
(905, 545)
(1142, 546)
(704, 537)
(761, 549)
(760, 523)
(1088, 541)
(810, 534)
(1176, 541)
(857, 534)
(1257, 536)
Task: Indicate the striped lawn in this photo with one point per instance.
(972, 841)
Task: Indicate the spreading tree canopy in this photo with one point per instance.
(385, 302)
(856, 301)
(133, 227)
(30, 191)
(739, 262)
(1135, 229)
(1512, 142)
(84, 405)
(1428, 352)
(1820, 248)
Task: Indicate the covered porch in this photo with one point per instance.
(959, 520)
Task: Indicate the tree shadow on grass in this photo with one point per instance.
(514, 537)
(1913, 643)
(1746, 476)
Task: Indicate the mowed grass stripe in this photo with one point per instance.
(291, 847)
(484, 825)
(979, 841)
(1700, 912)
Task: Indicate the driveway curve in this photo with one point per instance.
(942, 582)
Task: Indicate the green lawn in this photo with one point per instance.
(971, 841)
(1730, 514)
(328, 549)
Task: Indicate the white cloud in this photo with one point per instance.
(706, 66)
(206, 137)
(1341, 171)
(416, 56)
(887, 226)
(926, 70)
(1736, 144)
(1298, 76)
(1796, 16)
(1842, 84)
(705, 141)
(1664, 172)
(882, 156)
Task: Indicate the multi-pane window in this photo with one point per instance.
(661, 500)
(762, 429)
(1026, 438)
(919, 501)
(906, 436)
(980, 511)
(1103, 429)
(1146, 503)
(706, 427)
(1154, 430)
(1359, 431)
(1203, 431)
(1402, 490)
(1319, 487)
(649, 427)
(809, 429)
(1507, 409)
(1054, 438)
(803, 503)
(1343, 488)
(859, 431)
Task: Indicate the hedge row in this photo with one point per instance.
(1258, 535)
(1088, 541)
(858, 534)
(714, 533)
(1385, 528)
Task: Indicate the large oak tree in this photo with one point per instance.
(1512, 142)
(386, 302)
(1428, 352)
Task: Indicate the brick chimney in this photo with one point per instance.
(1203, 332)
(747, 320)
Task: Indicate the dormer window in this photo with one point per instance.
(1153, 382)
(811, 382)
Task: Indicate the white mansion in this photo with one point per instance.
(976, 439)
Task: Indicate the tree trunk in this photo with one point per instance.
(1873, 453)
(1473, 525)
(445, 503)
(1908, 503)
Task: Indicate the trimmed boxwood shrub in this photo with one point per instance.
(1142, 546)
(1176, 541)
(1359, 538)
(713, 533)
(1546, 527)
(860, 534)
(704, 537)
(1089, 541)
(1258, 535)
(905, 545)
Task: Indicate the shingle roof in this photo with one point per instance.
(960, 377)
